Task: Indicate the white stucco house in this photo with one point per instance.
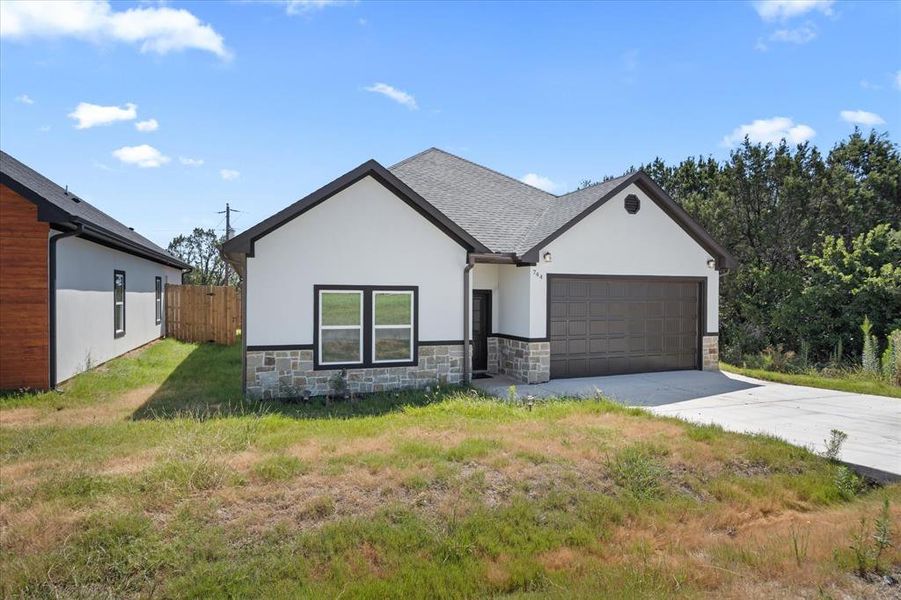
(77, 287)
(438, 269)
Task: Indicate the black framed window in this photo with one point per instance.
(118, 303)
(158, 291)
(365, 326)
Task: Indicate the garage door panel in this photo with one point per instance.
(602, 326)
(577, 347)
(597, 327)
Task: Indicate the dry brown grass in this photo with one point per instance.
(721, 540)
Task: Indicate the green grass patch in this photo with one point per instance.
(852, 381)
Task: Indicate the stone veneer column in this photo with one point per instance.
(710, 353)
(529, 362)
(289, 373)
(492, 355)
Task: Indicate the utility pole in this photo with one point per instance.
(228, 230)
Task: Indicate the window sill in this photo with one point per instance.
(369, 365)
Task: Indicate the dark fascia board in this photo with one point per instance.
(110, 240)
(62, 220)
(665, 202)
(244, 243)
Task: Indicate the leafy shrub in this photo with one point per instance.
(847, 483)
(776, 358)
(868, 547)
(833, 450)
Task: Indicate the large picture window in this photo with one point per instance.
(158, 291)
(360, 326)
(118, 303)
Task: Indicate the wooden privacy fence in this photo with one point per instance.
(203, 313)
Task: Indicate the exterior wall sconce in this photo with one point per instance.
(547, 257)
(711, 263)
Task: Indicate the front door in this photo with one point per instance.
(481, 328)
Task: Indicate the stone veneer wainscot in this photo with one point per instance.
(289, 373)
(528, 362)
(710, 353)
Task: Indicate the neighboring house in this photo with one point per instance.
(77, 287)
(389, 273)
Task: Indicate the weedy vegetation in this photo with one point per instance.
(151, 476)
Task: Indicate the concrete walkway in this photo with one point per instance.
(797, 414)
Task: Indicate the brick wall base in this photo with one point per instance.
(289, 373)
(710, 353)
(529, 362)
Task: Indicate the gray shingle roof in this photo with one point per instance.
(74, 207)
(503, 213)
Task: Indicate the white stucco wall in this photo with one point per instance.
(485, 276)
(364, 235)
(610, 241)
(84, 304)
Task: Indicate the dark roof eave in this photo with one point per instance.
(92, 232)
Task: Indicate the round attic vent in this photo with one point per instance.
(632, 204)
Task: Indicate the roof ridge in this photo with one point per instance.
(475, 164)
(597, 183)
(409, 158)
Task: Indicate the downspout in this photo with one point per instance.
(52, 280)
(467, 298)
(244, 331)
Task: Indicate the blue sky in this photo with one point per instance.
(278, 98)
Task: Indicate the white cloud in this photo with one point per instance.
(88, 115)
(539, 181)
(771, 10)
(798, 35)
(898, 80)
(143, 156)
(229, 174)
(44, 128)
(190, 162)
(299, 7)
(24, 99)
(861, 117)
(156, 29)
(395, 94)
(770, 131)
(869, 85)
(148, 125)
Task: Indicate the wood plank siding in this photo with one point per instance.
(24, 310)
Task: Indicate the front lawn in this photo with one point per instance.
(151, 477)
(852, 381)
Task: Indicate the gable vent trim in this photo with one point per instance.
(632, 204)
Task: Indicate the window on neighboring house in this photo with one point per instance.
(119, 303)
(365, 326)
(159, 299)
(392, 326)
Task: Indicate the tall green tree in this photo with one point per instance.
(200, 249)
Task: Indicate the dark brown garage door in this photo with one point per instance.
(610, 325)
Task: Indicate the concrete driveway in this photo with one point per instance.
(800, 415)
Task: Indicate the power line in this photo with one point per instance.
(228, 230)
